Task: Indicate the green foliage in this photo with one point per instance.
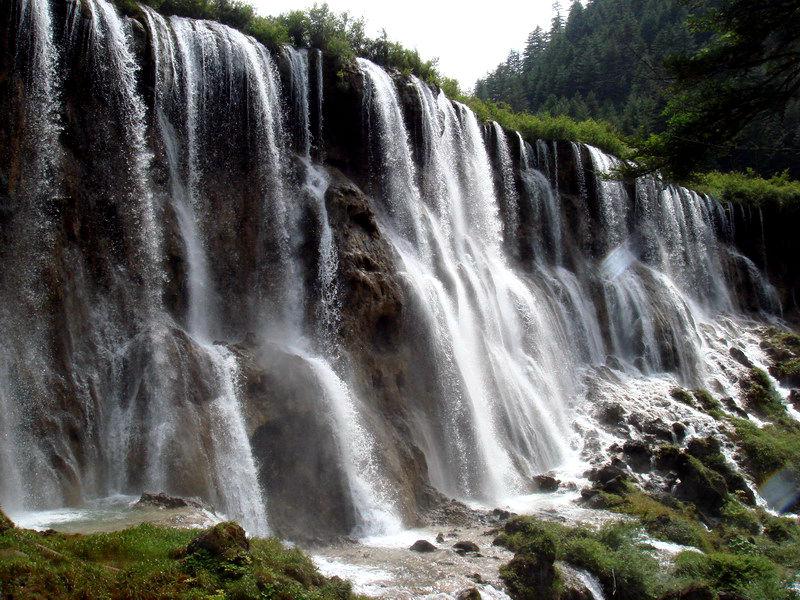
(151, 562)
(748, 188)
(708, 403)
(769, 449)
(752, 576)
(614, 554)
(596, 133)
(702, 85)
(747, 69)
(683, 396)
(762, 396)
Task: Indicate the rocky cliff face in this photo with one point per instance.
(318, 298)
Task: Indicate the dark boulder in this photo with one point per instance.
(680, 430)
(611, 414)
(162, 500)
(740, 357)
(469, 594)
(531, 576)
(466, 546)
(638, 455)
(225, 540)
(546, 483)
(709, 452)
(794, 398)
(696, 483)
(422, 546)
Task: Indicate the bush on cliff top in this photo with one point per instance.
(157, 562)
(748, 187)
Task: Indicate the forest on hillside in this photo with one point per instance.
(623, 61)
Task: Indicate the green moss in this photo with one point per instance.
(710, 404)
(788, 369)
(768, 449)
(762, 397)
(681, 395)
(152, 562)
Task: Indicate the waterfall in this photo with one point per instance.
(502, 409)
(299, 88)
(183, 235)
(237, 483)
(26, 244)
(508, 187)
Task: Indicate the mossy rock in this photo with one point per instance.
(699, 485)
(762, 397)
(224, 540)
(531, 577)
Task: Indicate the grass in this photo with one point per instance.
(153, 562)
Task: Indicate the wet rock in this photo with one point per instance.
(546, 483)
(162, 500)
(709, 452)
(611, 414)
(794, 398)
(638, 455)
(679, 429)
(696, 483)
(466, 546)
(422, 546)
(5, 522)
(531, 575)
(731, 405)
(740, 357)
(607, 472)
(440, 538)
(469, 594)
(477, 578)
(225, 540)
(572, 587)
(498, 514)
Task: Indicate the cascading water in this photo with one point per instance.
(496, 427)
(178, 263)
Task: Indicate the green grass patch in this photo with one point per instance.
(152, 562)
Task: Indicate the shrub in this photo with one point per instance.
(748, 188)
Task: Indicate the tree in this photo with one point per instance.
(749, 68)
(557, 24)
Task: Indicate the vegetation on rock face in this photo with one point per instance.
(338, 34)
(747, 553)
(158, 562)
(748, 187)
(561, 127)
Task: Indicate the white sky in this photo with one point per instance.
(468, 41)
